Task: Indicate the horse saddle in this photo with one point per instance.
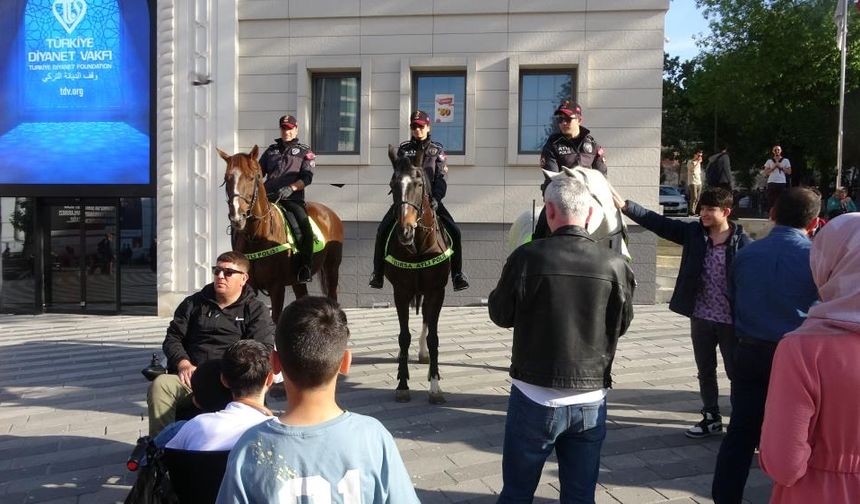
(294, 231)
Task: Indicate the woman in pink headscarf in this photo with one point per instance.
(810, 440)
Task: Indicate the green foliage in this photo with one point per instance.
(769, 73)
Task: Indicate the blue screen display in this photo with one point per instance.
(75, 105)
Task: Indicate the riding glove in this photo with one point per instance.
(434, 204)
(285, 192)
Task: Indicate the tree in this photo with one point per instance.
(769, 73)
(680, 132)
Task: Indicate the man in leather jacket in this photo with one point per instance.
(568, 302)
(436, 168)
(572, 146)
(288, 166)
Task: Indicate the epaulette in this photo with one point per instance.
(303, 146)
(405, 144)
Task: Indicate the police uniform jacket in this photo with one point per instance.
(288, 163)
(581, 150)
(201, 330)
(435, 163)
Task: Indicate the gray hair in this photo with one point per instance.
(569, 196)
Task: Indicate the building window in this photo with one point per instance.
(443, 96)
(336, 113)
(541, 91)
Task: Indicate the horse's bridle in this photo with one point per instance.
(419, 208)
(249, 214)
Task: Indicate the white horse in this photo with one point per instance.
(606, 221)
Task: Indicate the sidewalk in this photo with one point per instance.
(72, 404)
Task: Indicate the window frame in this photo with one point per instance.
(524, 72)
(418, 73)
(320, 74)
(574, 61)
(305, 67)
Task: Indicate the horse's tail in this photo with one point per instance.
(416, 301)
(329, 273)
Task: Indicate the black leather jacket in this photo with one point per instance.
(201, 330)
(568, 302)
(435, 163)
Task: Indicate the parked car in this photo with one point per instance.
(672, 201)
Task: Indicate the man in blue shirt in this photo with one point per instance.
(772, 290)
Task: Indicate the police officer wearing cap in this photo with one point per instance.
(436, 168)
(288, 167)
(572, 146)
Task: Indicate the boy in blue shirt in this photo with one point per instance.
(315, 449)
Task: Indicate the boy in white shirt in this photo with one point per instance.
(246, 369)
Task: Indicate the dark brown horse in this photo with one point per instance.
(417, 265)
(259, 226)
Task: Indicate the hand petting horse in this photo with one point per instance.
(606, 224)
(417, 265)
(259, 229)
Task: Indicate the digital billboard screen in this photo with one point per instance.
(75, 107)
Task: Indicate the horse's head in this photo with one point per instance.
(242, 183)
(408, 188)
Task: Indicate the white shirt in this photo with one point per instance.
(556, 398)
(217, 431)
(777, 176)
(694, 172)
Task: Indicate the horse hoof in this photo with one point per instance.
(437, 398)
(423, 359)
(402, 396)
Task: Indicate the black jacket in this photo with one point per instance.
(581, 150)
(718, 173)
(200, 330)
(286, 163)
(568, 302)
(435, 163)
(694, 238)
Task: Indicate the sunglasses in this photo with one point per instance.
(564, 120)
(228, 272)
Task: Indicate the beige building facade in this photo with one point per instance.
(351, 71)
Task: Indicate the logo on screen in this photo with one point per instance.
(69, 13)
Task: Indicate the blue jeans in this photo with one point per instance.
(533, 430)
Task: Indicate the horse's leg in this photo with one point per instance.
(423, 352)
(300, 290)
(276, 295)
(404, 339)
(431, 310)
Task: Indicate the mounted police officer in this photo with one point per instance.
(288, 167)
(572, 146)
(436, 168)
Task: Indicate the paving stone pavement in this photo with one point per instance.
(72, 404)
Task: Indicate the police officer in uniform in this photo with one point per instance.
(288, 167)
(572, 146)
(436, 168)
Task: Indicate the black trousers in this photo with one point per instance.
(442, 214)
(751, 374)
(306, 244)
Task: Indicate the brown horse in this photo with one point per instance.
(258, 226)
(417, 265)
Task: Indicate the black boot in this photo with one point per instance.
(376, 280)
(459, 281)
(304, 274)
